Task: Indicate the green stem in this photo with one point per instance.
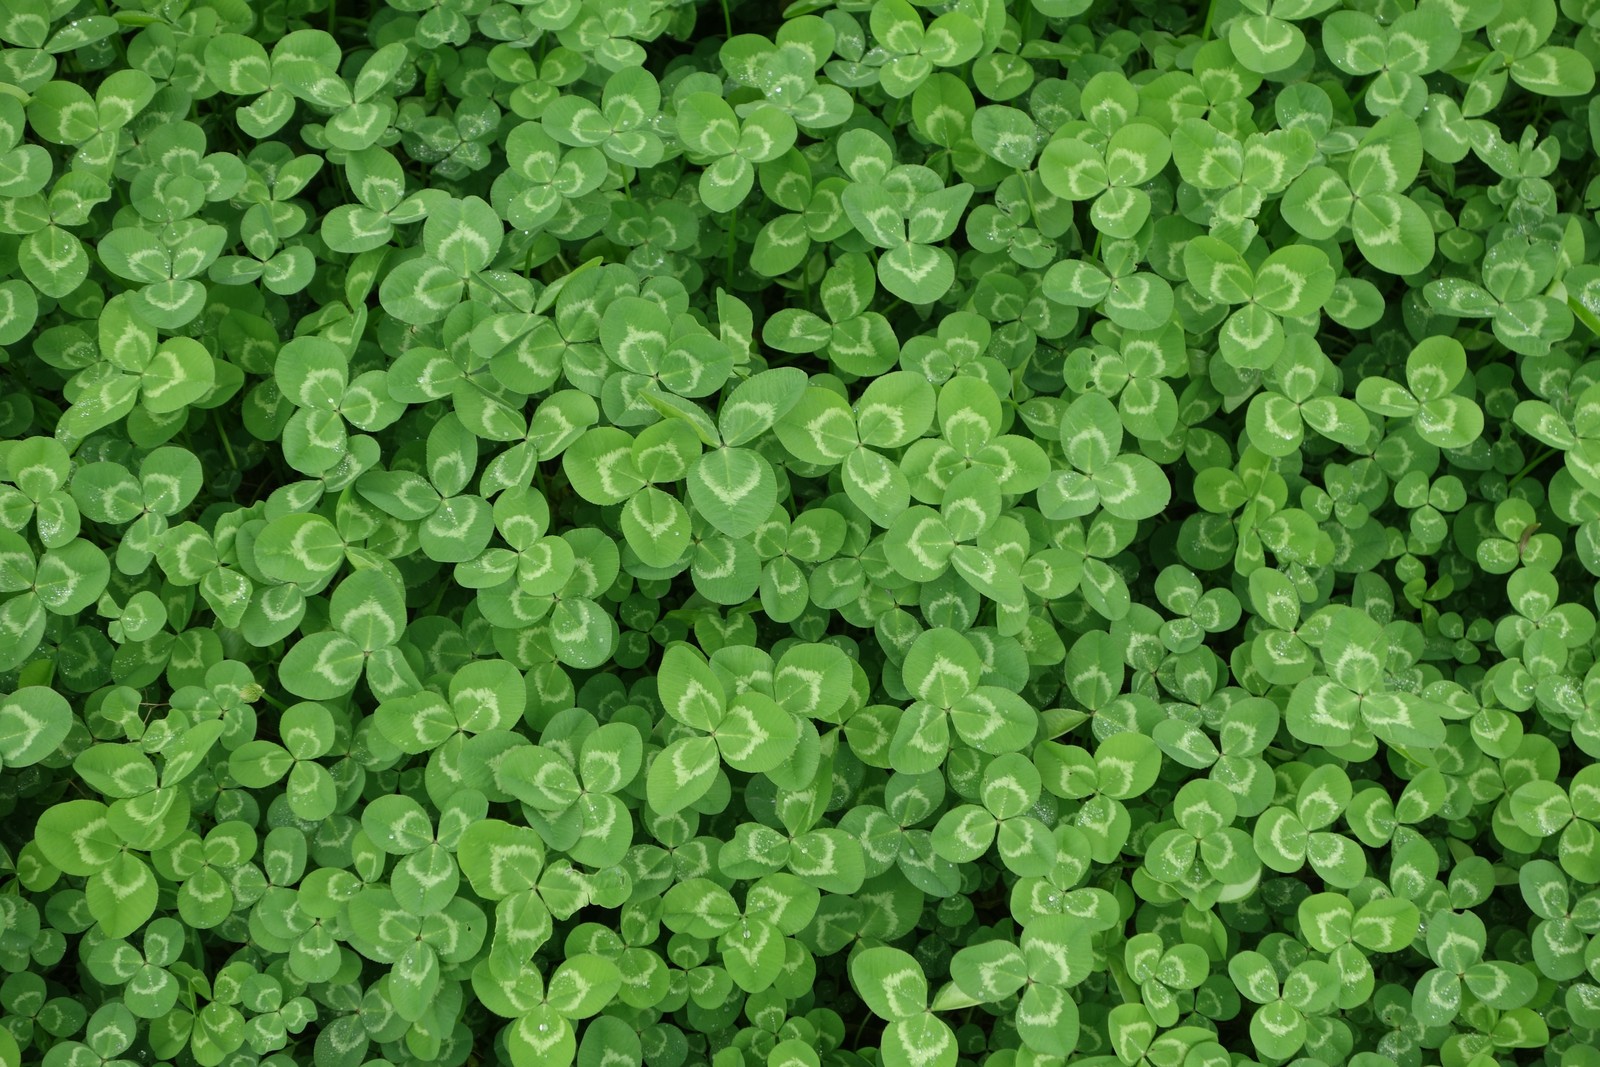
(733, 247)
(1027, 186)
(197, 959)
(727, 18)
(227, 445)
(861, 1030)
(116, 38)
(1017, 376)
(1205, 30)
(333, 18)
(1525, 471)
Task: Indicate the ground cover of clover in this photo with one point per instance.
(867, 533)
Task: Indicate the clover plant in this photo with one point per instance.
(838, 533)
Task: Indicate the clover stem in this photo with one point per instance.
(1027, 185)
(197, 957)
(438, 598)
(1525, 471)
(727, 18)
(1205, 29)
(227, 445)
(866, 1017)
(544, 488)
(333, 18)
(116, 38)
(1119, 974)
(894, 116)
(733, 246)
(1017, 376)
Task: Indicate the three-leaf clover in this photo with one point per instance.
(1236, 174)
(378, 182)
(1011, 787)
(1054, 954)
(1398, 54)
(1285, 840)
(1389, 227)
(621, 126)
(1110, 173)
(911, 50)
(1279, 1025)
(367, 616)
(749, 731)
(729, 146)
(308, 732)
(1164, 974)
(1292, 282)
(1127, 485)
(1514, 296)
(1456, 942)
(944, 672)
(300, 63)
(906, 213)
(1205, 853)
(858, 341)
(1435, 372)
